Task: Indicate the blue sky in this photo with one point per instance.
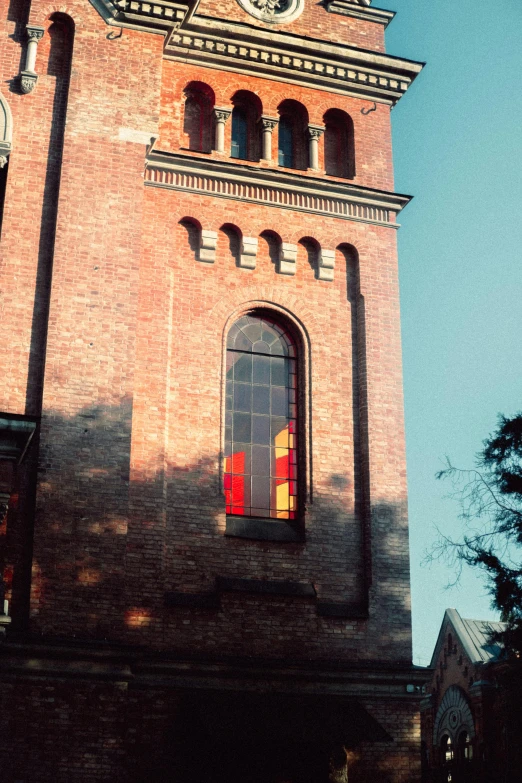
(458, 149)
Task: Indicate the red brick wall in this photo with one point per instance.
(314, 22)
(373, 152)
(133, 376)
(129, 502)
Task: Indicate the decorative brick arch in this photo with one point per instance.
(43, 15)
(289, 305)
(453, 716)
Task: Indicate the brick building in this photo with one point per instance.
(204, 555)
(465, 716)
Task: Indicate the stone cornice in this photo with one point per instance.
(273, 187)
(280, 56)
(33, 659)
(159, 16)
(347, 8)
(286, 57)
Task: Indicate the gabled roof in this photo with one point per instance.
(473, 635)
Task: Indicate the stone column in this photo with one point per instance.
(268, 124)
(28, 76)
(314, 134)
(221, 116)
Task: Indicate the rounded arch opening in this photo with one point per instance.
(200, 100)
(339, 144)
(292, 135)
(246, 131)
(263, 455)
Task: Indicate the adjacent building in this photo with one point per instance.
(463, 716)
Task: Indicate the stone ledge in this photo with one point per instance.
(285, 57)
(263, 530)
(275, 187)
(265, 586)
(347, 8)
(347, 611)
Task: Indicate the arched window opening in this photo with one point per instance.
(465, 747)
(246, 131)
(339, 149)
(239, 134)
(3, 186)
(292, 134)
(447, 749)
(286, 146)
(6, 131)
(197, 119)
(260, 477)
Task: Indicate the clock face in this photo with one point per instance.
(273, 11)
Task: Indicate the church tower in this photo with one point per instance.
(203, 548)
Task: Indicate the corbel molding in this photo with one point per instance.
(326, 264)
(280, 56)
(287, 258)
(273, 187)
(208, 245)
(349, 8)
(160, 16)
(247, 258)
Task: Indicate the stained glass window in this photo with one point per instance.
(261, 420)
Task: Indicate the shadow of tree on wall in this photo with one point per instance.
(109, 544)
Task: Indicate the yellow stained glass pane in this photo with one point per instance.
(281, 439)
(282, 496)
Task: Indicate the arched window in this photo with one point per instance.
(6, 129)
(286, 146)
(246, 131)
(447, 749)
(339, 150)
(260, 478)
(197, 118)
(239, 147)
(465, 747)
(292, 135)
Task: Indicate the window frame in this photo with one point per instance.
(263, 528)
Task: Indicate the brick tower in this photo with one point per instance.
(203, 548)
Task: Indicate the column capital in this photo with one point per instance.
(315, 131)
(269, 123)
(222, 114)
(34, 32)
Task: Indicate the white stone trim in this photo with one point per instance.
(136, 136)
(28, 76)
(362, 11)
(287, 258)
(207, 246)
(248, 256)
(326, 264)
(6, 130)
(280, 57)
(267, 11)
(273, 187)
